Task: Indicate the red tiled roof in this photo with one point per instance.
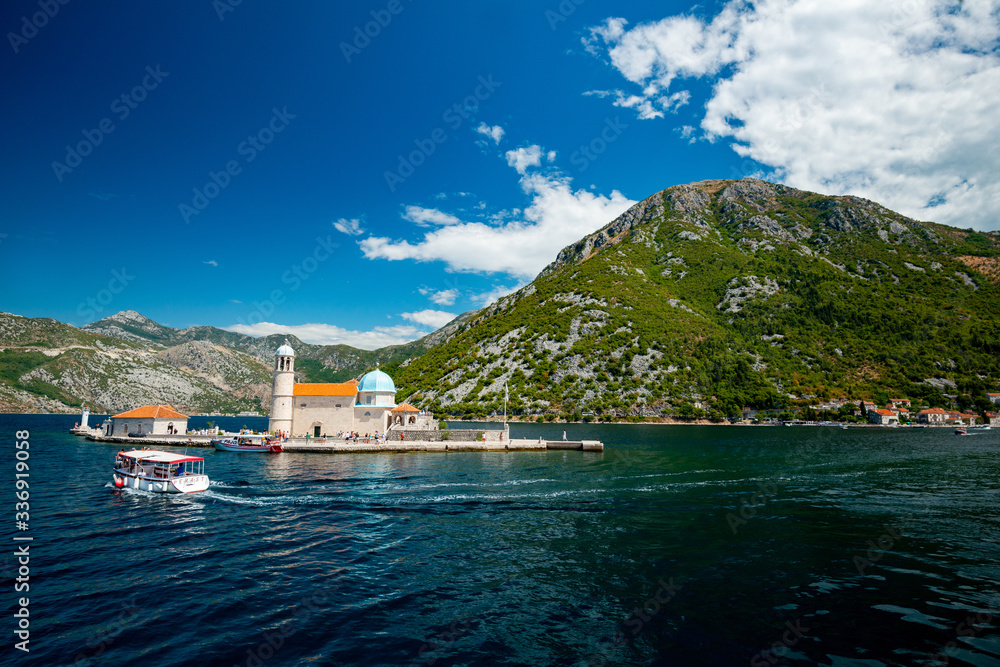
(151, 412)
(325, 388)
(405, 407)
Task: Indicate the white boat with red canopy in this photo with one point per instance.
(160, 472)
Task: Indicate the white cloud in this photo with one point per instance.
(211, 262)
(519, 246)
(430, 318)
(494, 132)
(444, 297)
(498, 292)
(350, 227)
(328, 334)
(891, 101)
(522, 158)
(427, 216)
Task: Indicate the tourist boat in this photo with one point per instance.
(160, 472)
(960, 430)
(247, 443)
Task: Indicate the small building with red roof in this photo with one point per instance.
(148, 420)
(932, 416)
(882, 417)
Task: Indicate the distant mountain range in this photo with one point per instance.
(699, 300)
(127, 360)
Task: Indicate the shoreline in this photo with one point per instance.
(338, 445)
(647, 421)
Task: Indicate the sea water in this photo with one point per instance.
(715, 545)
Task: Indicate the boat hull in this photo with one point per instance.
(184, 484)
(227, 447)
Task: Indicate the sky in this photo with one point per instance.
(362, 172)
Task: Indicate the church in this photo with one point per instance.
(326, 408)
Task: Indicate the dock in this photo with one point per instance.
(332, 445)
(339, 446)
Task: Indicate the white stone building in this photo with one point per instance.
(326, 408)
(149, 419)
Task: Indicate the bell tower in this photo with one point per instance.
(282, 398)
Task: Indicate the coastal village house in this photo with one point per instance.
(932, 416)
(882, 417)
(149, 419)
(902, 413)
(994, 397)
(960, 418)
(993, 418)
(939, 416)
(326, 408)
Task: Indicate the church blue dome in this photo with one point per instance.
(377, 381)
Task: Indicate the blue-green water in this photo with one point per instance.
(677, 545)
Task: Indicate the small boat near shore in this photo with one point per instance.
(247, 443)
(160, 472)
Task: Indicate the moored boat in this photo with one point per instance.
(160, 472)
(247, 443)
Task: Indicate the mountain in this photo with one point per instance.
(127, 360)
(132, 326)
(314, 363)
(703, 298)
(48, 366)
(723, 294)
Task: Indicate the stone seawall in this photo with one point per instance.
(158, 440)
(339, 446)
(454, 443)
(449, 435)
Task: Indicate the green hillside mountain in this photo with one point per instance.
(314, 363)
(724, 294)
(127, 360)
(48, 366)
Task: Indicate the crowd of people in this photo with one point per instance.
(355, 437)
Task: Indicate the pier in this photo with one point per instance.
(340, 446)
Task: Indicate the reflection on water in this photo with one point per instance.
(677, 545)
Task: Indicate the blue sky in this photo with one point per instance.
(274, 168)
